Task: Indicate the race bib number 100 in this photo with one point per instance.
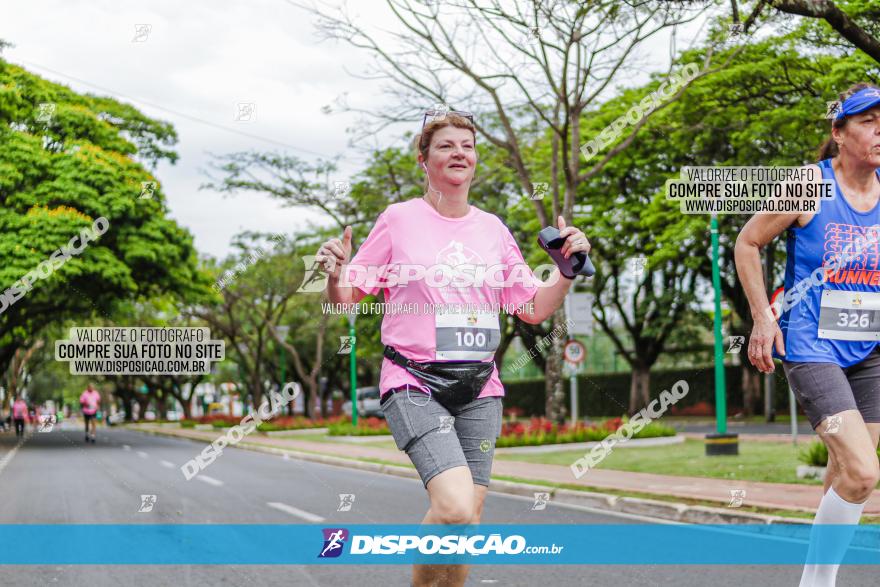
(467, 336)
(849, 315)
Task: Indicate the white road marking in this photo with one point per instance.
(142, 454)
(126, 447)
(7, 458)
(167, 464)
(289, 509)
(210, 480)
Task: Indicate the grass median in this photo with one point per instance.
(361, 440)
(771, 462)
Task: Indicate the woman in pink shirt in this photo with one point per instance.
(446, 269)
(90, 400)
(19, 415)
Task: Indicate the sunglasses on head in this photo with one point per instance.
(441, 114)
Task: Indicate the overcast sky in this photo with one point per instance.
(196, 63)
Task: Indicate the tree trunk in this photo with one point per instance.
(323, 393)
(639, 388)
(186, 404)
(751, 388)
(554, 406)
(311, 390)
(162, 406)
(508, 332)
(256, 389)
(143, 400)
(127, 407)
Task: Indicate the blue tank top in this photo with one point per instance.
(828, 233)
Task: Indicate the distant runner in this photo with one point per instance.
(90, 400)
(19, 415)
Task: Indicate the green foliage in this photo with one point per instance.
(511, 437)
(61, 167)
(814, 454)
(766, 107)
(294, 423)
(365, 427)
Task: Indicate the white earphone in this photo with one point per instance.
(431, 188)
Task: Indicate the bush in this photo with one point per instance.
(366, 427)
(226, 418)
(603, 394)
(540, 431)
(278, 423)
(816, 454)
(297, 423)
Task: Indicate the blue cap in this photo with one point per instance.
(862, 100)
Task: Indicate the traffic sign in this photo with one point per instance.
(579, 309)
(780, 291)
(575, 352)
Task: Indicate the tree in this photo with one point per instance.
(251, 303)
(66, 161)
(766, 109)
(158, 312)
(536, 69)
(857, 21)
(19, 367)
(641, 297)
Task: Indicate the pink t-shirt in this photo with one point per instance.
(91, 400)
(413, 233)
(19, 409)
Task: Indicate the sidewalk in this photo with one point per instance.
(777, 496)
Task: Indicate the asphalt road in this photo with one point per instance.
(55, 477)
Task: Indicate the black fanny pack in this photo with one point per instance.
(452, 383)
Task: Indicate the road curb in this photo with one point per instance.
(676, 512)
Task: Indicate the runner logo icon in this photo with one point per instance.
(334, 540)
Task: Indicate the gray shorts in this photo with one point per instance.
(436, 439)
(825, 389)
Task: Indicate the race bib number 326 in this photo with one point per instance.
(849, 315)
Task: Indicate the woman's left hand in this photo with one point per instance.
(575, 239)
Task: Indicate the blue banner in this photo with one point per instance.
(527, 544)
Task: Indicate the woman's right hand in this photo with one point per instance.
(335, 253)
(765, 333)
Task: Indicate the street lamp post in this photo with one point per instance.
(720, 443)
(353, 368)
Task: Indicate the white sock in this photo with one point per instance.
(833, 509)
